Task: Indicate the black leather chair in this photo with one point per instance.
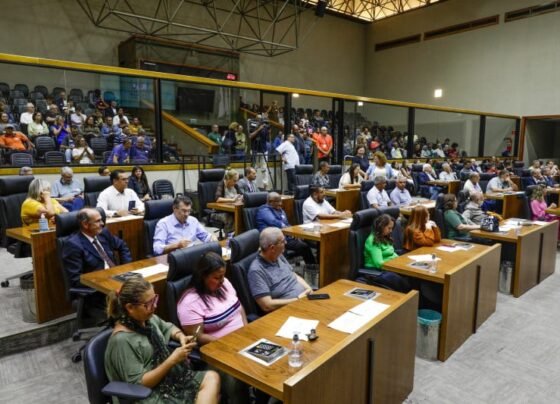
(55, 157)
(99, 389)
(252, 202)
(244, 249)
(43, 144)
(21, 159)
(366, 186)
(304, 174)
(300, 195)
(93, 187)
(161, 188)
(398, 228)
(208, 181)
(154, 211)
(438, 216)
(390, 185)
(486, 176)
(181, 264)
(335, 174)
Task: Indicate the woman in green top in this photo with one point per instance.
(379, 249)
(137, 350)
(458, 226)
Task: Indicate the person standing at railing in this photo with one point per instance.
(214, 135)
(324, 142)
(240, 143)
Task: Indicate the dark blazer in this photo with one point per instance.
(220, 190)
(423, 178)
(79, 256)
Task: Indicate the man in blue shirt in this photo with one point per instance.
(140, 152)
(272, 215)
(400, 195)
(179, 230)
(68, 191)
(121, 153)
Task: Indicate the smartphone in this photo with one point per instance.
(131, 205)
(197, 333)
(318, 296)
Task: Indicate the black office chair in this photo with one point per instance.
(154, 211)
(208, 181)
(93, 187)
(43, 144)
(439, 216)
(21, 159)
(66, 225)
(55, 157)
(163, 189)
(244, 250)
(335, 174)
(303, 174)
(366, 186)
(13, 191)
(300, 195)
(398, 228)
(99, 146)
(252, 202)
(99, 389)
(181, 264)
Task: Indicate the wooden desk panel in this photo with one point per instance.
(394, 333)
(130, 229)
(512, 204)
(406, 210)
(453, 187)
(346, 199)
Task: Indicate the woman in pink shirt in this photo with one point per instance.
(211, 302)
(539, 207)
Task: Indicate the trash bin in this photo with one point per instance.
(28, 299)
(311, 275)
(506, 272)
(427, 334)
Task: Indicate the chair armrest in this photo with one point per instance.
(370, 271)
(126, 390)
(82, 291)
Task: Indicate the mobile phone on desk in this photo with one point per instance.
(318, 296)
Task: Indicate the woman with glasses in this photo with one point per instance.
(137, 350)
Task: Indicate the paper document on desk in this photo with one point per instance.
(539, 222)
(340, 225)
(309, 226)
(447, 248)
(347, 220)
(299, 326)
(422, 257)
(357, 316)
(153, 270)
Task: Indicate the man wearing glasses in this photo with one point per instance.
(179, 229)
(118, 199)
(272, 282)
(92, 248)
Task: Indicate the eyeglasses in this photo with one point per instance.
(150, 304)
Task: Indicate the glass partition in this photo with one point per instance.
(499, 136)
(439, 134)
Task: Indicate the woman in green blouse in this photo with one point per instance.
(379, 249)
(137, 350)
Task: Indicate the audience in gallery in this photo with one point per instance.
(39, 203)
(420, 231)
(82, 153)
(290, 159)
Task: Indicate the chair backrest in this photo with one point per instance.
(301, 192)
(526, 172)
(44, 144)
(439, 217)
(42, 89)
(23, 88)
(98, 145)
(244, 250)
(93, 187)
(252, 202)
(360, 229)
(398, 227)
(21, 159)
(486, 176)
(161, 188)
(366, 186)
(13, 191)
(94, 367)
(208, 181)
(55, 157)
(417, 168)
(304, 174)
(154, 211)
(335, 174)
(181, 264)
(391, 184)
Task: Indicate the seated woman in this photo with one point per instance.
(37, 127)
(138, 182)
(137, 350)
(539, 207)
(39, 202)
(210, 302)
(379, 249)
(421, 231)
(380, 167)
(351, 178)
(82, 153)
(405, 172)
(361, 158)
(228, 191)
(458, 226)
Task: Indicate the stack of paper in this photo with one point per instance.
(356, 317)
(308, 226)
(299, 326)
(153, 270)
(422, 257)
(341, 225)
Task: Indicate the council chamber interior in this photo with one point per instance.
(369, 215)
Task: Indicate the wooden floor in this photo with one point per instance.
(513, 358)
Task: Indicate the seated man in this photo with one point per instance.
(272, 215)
(316, 207)
(15, 142)
(428, 174)
(473, 209)
(321, 177)
(25, 170)
(247, 184)
(120, 153)
(68, 191)
(140, 152)
(447, 174)
(501, 183)
(272, 282)
(536, 178)
(179, 229)
(90, 249)
(377, 196)
(472, 184)
(400, 195)
(118, 198)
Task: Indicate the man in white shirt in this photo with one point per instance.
(501, 183)
(400, 195)
(472, 184)
(377, 196)
(447, 174)
(118, 198)
(317, 207)
(27, 117)
(290, 158)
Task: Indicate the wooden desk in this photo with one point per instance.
(50, 295)
(555, 211)
(512, 204)
(516, 180)
(236, 210)
(535, 253)
(374, 364)
(333, 249)
(470, 286)
(453, 187)
(429, 204)
(555, 191)
(346, 199)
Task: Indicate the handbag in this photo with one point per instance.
(490, 224)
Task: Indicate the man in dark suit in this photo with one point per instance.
(92, 248)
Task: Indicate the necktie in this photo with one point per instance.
(102, 253)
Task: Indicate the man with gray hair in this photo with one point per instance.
(400, 195)
(68, 191)
(473, 209)
(377, 196)
(25, 170)
(446, 173)
(428, 174)
(272, 282)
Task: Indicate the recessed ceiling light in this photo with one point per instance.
(438, 93)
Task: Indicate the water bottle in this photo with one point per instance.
(433, 266)
(294, 358)
(43, 223)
